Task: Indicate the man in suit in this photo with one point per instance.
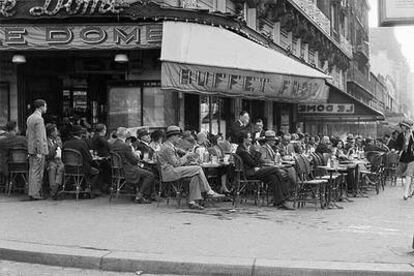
(133, 173)
(78, 143)
(37, 148)
(272, 176)
(101, 146)
(268, 156)
(174, 168)
(240, 126)
(258, 132)
(144, 139)
(99, 142)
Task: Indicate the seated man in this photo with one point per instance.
(272, 176)
(99, 142)
(143, 143)
(174, 168)
(133, 173)
(268, 156)
(78, 143)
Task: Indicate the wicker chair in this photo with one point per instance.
(74, 174)
(242, 184)
(18, 167)
(119, 184)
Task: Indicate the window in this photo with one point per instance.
(141, 104)
(158, 107)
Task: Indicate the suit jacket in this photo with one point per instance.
(81, 146)
(236, 131)
(144, 148)
(169, 160)
(267, 154)
(100, 145)
(251, 160)
(36, 134)
(129, 160)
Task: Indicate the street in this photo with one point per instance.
(375, 229)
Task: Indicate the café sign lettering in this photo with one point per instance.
(105, 36)
(217, 80)
(70, 7)
(326, 108)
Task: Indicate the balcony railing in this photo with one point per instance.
(356, 76)
(318, 17)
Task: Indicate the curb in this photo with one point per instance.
(122, 261)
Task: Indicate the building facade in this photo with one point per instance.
(105, 61)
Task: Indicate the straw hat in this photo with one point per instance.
(270, 135)
(173, 130)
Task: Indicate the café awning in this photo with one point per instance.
(206, 59)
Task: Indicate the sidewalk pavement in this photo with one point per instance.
(370, 235)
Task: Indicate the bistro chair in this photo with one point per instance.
(308, 189)
(170, 189)
(391, 164)
(18, 167)
(242, 184)
(119, 184)
(74, 174)
(374, 179)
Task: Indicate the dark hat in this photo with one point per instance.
(142, 132)
(270, 135)
(50, 128)
(173, 130)
(77, 130)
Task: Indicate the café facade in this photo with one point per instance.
(134, 63)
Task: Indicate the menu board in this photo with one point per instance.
(124, 105)
(4, 103)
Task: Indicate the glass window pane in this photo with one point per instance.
(159, 107)
(124, 107)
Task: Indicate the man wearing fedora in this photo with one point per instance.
(78, 143)
(404, 145)
(174, 168)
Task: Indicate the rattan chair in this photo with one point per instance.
(18, 167)
(119, 183)
(242, 184)
(74, 174)
(308, 189)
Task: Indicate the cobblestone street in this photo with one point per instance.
(375, 229)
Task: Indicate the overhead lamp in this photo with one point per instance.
(121, 58)
(19, 59)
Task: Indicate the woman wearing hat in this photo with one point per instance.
(404, 145)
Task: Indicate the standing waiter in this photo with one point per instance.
(37, 148)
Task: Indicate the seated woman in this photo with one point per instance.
(324, 146)
(339, 150)
(201, 147)
(272, 176)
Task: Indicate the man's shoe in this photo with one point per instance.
(142, 200)
(195, 206)
(215, 195)
(284, 206)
